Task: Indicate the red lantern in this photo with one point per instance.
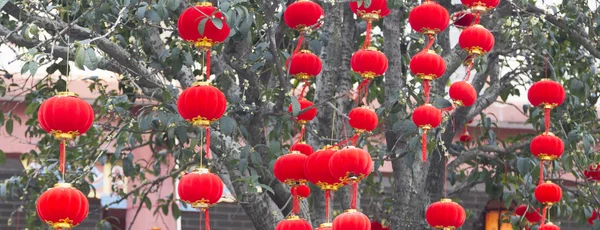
(547, 147)
(463, 19)
(480, 5)
(476, 40)
(363, 119)
(593, 217)
(65, 116)
(520, 210)
(307, 116)
(190, 19)
(304, 65)
(293, 222)
(302, 148)
(465, 138)
(303, 15)
(303, 191)
(350, 164)
(427, 65)
(369, 62)
(62, 207)
(548, 193)
(325, 226)
(445, 214)
(546, 93)
(200, 189)
(377, 10)
(533, 216)
(429, 18)
(289, 168)
(593, 172)
(548, 226)
(351, 219)
(426, 117)
(201, 104)
(378, 226)
(317, 170)
(462, 93)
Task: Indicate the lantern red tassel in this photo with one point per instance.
(201, 189)
(462, 94)
(429, 18)
(548, 193)
(62, 158)
(350, 164)
(62, 207)
(547, 147)
(546, 93)
(445, 214)
(303, 15)
(304, 65)
(293, 222)
(289, 168)
(352, 219)
(369, 63)
(317, 170)
(190, 20)
(463, 19)
(201, 104)
(476, 40)
(363, 119)
(426, 117)
(375, 11)
(465, 138)
(302, 147)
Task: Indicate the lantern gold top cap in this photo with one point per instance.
(292, 217)
(372, 48)
(66, 94)
(548, 134)
(201, 170)
(201, 83)
(325, 147)
(445, 200)
(350, 211)
(63, 185)
(306, 51)
(325, 225)
(204, 4)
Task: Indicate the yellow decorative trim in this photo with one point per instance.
(201, 83)
(431, 52)
(429, 31)
(373, 16)
(546, 157)
(323, 225)
(549, 105)
(429, 77)
(367, 75)
(201, 170)
(200, 121)
(350, 177)
(480, 7)
(476, 50)
(292, 182)
(204, 43)
(204, 4)
(63, 185)
(458, 103)
(305, 51)
(302, 122)
(61, 224)
(303, 76)
(371, 48)
(350, 211)
(426, 127)
(203, 203)
(331, 187)
(325, 147)
(60, 135)
(292, 217)
(66, 94)
(445, 200)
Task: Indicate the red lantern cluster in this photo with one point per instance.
(204, 12)
(480, 6)
(303, 15)
(463, 19)
(306, 116)
(62, 207)
(289, 168)
(547, 147)
(476, 40)
(445, 214)
(317, 169)
(201, 104)
(351, 164)
(462, 93)
(373, 12)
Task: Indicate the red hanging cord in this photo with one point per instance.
(541, 172)
(208, 142)
(429, 43)
(547, 120)
(206, 219)
(352, 139)
(426, 90)
(354, 194)
(327, 198)
(477, 18)
(207, 64)
(18, 217)
(469, 68)
(424, 146)
(299, 45)
(304, 87)
(302, 132)
(445, 175)
(544, 212)
(296, 201)
(363, 90)
(62, 158)
(367, 42)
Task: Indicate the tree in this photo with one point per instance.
(137, 39)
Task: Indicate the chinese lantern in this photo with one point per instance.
(546, 93)
(303, 191)
(200, 189)
(62, 207)
(303, 15)
(303, 148)
(548, 193)
(547, 147)
(476, 40)
(201, 104)
(426, 117)
(350, 163)
(593, 172)
(462, 93)
(533, 216)
(520, 210)
(363, 119)
(304, 65)
(351, 219)
(325, 226)
(190, 19)
(465, 138)
(65, 116)
(307, 116)
(463, 19)
(445, 214)
(289, 168)
(293, 222)
(427, 65)
(373, 12)
(593, 217)
(369, 62)
(429, 18)
(480, 5)
(548, 226)
(317, 170)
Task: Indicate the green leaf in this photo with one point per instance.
(227, 125)
(80, 58)
(441, 103)
(1, 118)
(217, 22)
(202, 25)
(173, 4)
(91, 60)
(9, 126)
(2, 157)
(153, 16)
(295, 106)
(148, 203)
(175, 210)
(181, 133)
(256, 158)
(523, 165)
(31, 108)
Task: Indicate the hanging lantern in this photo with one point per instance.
(200, 189)
(363, 119)
(351, 164)
(548, 226)
(427, 65)
(201, 104)
(351, 219)
(62, 207)
(304, 65)
(462, 94)
(190, 19)
(317, 169)
(307, 116)
(293, 222)
(465, 138)
(546, 93)
(303, 148)
(480, 5)
(476, 40)
(521, 210)
(463, 19)
(369, 62)
(533, 216)
(429, 18)
(303, 191)
(373, 12)
(593, 172)
(593, 217)
(426, 117)
(65, 116)
(289, 168)
(303, 15)
(325, 226)
(547, 147)
(445, 214)
(548, 193)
